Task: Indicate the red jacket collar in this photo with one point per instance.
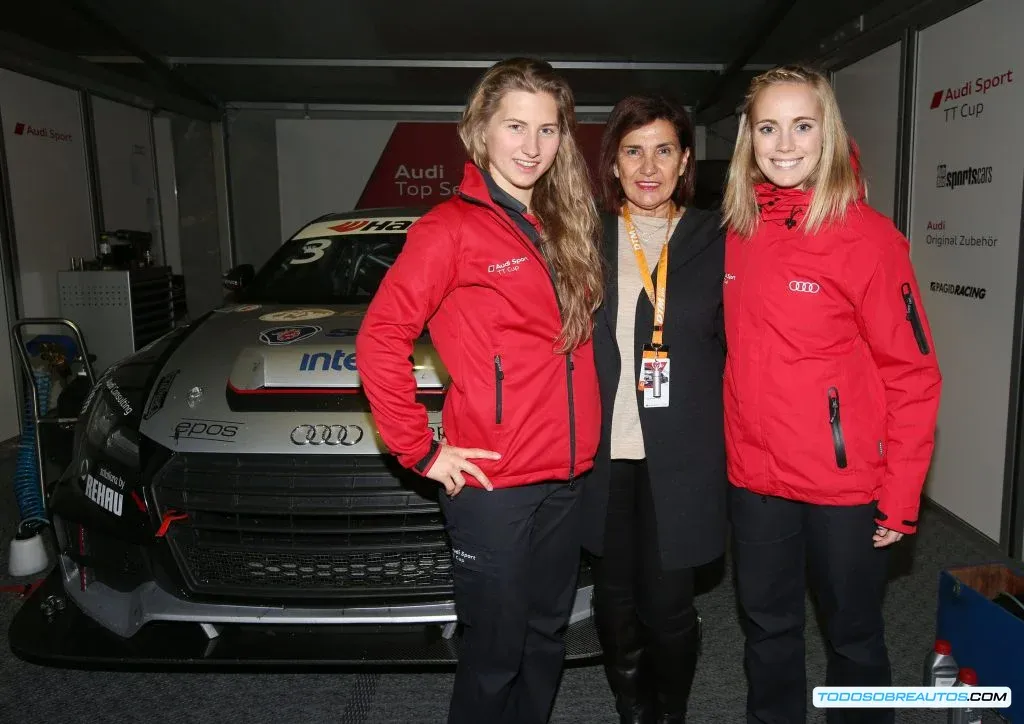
(781, 206)
(475, 187)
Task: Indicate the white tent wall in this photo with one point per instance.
(965, 232)
(868, 92)
(50, 211)
(45, 145)
(126, 167)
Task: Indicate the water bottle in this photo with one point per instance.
(967, 677)
(940, 668)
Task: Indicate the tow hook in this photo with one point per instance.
(51, 606)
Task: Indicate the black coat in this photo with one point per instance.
(685, 442)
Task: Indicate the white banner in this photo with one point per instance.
(868, 92)
(323, 166)
(124, 161)
(49, 183)
(965, 232)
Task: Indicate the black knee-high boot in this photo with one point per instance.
(674, 663)
(624, 665)
(623, 642)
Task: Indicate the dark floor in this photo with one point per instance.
(31, 693)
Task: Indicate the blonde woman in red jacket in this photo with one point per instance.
(506, 275)
(831, 395)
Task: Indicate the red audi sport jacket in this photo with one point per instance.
(485, 292)
(831, 380)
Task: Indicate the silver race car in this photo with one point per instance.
(229, 500)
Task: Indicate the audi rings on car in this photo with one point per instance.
(346, 435)
(806, 287)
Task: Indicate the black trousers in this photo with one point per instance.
(774, 542)
(632, 587)
(516, 553)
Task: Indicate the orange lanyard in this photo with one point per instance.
(657, 296)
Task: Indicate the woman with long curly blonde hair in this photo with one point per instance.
(506, 275)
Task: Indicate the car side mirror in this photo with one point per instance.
(238, 277)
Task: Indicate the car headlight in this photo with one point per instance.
(104, 432)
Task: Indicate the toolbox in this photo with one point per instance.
(981, 614)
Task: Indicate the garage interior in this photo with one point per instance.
(213, 81)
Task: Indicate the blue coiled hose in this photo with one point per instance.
(26, 475)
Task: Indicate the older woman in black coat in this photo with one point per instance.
(655, 503)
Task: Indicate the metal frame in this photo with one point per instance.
(92, 166)
(403, 110)
(174, 81)
(40, 417)
(28, 58)
(10, 288)
(432, 64)
(1011, 528)
(156, 189)
(222, 181)
(772, 18)
(905, 132)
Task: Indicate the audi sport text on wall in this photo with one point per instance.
(27, 129)
(954, 100)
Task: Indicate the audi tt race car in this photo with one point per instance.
(229, 500)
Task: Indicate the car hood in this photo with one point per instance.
(254, 379)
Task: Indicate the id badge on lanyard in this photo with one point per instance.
(655, 363)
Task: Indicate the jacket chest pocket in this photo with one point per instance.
(499, 384)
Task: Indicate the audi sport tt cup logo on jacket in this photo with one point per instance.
(959, 290)
(804, 287)
(508, 266)
(964, 177)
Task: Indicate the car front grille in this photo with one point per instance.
(314, 526)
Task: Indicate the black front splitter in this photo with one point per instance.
(51, 630)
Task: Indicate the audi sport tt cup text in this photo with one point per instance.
(980, 86)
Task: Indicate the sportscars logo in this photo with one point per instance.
(964, 177)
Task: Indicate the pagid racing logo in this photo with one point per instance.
(959, 290)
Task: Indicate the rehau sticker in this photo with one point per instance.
(108, 499)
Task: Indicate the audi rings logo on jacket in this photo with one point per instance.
(346, 435)
(804, 287)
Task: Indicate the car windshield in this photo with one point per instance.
(340, 269)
